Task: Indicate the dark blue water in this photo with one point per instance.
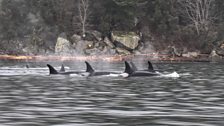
(30, 97)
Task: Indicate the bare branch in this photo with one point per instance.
(83, 14)
(199, 12)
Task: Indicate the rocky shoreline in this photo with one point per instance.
(128, 44)
(118, 46)
(45, 28)
(106, 58)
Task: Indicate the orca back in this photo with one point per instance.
(62, 68)
(89, 67)
(128, 68)
(134, 68)
(52, 70)
(150, 67)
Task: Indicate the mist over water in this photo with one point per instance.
(29, 96)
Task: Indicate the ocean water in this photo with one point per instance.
(32, 97)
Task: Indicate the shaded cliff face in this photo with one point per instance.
(33, 27)
(23, 30)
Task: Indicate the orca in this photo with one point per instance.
(150, 67)
(128, 68)
(92, 72)
(133, 66)
(129, 71)
(52, 70)
(27, 66)
(62, 68)
(89, 71)
(135, 73)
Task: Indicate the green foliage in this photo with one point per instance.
(111, 16)
(162, 17)
(13, 19)
(164, 20)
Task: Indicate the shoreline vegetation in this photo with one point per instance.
(104, 58)
(113, 30)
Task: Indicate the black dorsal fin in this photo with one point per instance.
(128, 68)
(62, 68)
(52, 70)
(150, 67)
(89, 67)
(133, 66)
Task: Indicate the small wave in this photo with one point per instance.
(201, 79)
(86, 74)
(113, 75)
(75, 75)
(186, 74)
(124, 75)
(172, 75)
(23, 71)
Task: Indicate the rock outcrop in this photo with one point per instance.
(220, 52)
(214, 57)
(108, 42)
(191, 54)
(93, 44)
(129, 40)
(122, 51)
(82, 47)
(76, 38)
(217, 53)
(63, 46)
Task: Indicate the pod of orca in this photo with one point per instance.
(130, 71)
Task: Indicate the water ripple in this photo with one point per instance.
(31, 97)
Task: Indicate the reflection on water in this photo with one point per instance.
(32, 97)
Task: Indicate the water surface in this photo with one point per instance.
(29, 96)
